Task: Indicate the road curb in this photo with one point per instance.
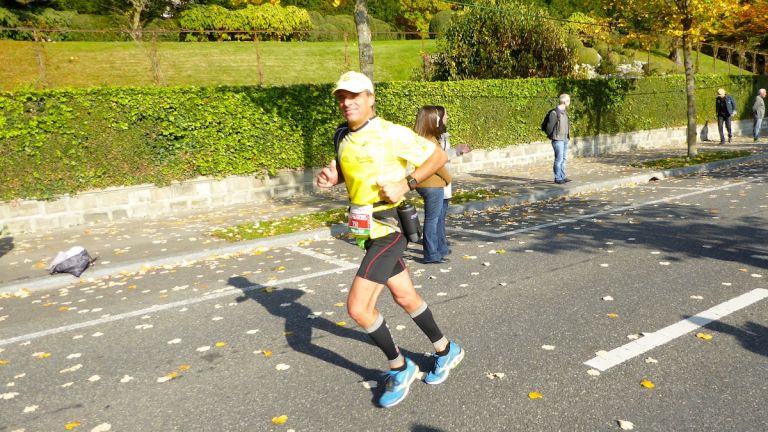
(62, 280)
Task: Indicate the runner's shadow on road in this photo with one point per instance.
(298, 328)
(752, 336)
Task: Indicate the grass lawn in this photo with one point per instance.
(310, 221)
(659, 59)
(88, 64)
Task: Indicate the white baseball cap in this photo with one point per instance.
(354, 82)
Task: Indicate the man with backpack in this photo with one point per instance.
(558, 129)
(725, 108)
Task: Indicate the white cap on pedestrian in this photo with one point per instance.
(354, 82)
(721, 92)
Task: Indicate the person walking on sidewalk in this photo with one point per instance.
(758, 112)
(725, 108)
(371, 160)
(432, 190)
(558, 130)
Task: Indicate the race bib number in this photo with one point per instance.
(360, 220)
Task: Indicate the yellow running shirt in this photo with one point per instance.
(379, 152)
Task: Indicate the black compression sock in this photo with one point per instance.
(445, 351)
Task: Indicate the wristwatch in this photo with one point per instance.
(411, 182)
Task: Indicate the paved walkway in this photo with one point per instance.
(129, 245)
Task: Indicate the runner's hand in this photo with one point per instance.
(328, 176)
(393, 191)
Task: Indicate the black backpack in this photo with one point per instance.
(546, 121)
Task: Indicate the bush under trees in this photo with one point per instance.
(272, 22)
(503, 40)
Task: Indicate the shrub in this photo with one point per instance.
(574, 42)
(67, 141)
(8, 19)
(610, 63)
(602, 48)
(506, 41)
(168, 29)
(440, 22)
(588, 56)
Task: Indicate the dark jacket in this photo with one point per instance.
(725, 106)
(558, 125)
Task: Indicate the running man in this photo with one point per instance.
(372, 157)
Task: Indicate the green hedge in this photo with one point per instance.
(67, 141)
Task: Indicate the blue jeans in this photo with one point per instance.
(561, 154)
(435, 247)
(757, 124)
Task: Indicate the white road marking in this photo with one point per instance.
(602, 213)
(157, 308)
(646, 343)
(323, 257)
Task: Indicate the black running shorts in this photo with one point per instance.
(383, 258)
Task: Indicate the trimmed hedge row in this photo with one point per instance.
(67, 141)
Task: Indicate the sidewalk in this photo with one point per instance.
(130, 245)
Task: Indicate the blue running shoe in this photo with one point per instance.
(444, 364)
(397, 383)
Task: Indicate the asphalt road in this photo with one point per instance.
(623, 280)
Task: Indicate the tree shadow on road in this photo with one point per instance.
(6, 245)
(673, 227)
(298, 327)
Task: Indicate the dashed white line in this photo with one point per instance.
(156, 308)
(646, 343)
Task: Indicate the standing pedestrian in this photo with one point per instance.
(440, 134)
(429, 125)
(758, 112)
(372, 159)
(558, 130)
(725, 108)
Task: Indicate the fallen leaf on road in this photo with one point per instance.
(651, 360)
(494, 375)
(71, 425)
(704, 336)
(593, 372)
(548, 347)
(41, 355)
(341, 323)
(626, 425)
(282, 367)
(7, 396)
(613, 315)
(220, 344)
(647, 384)
(280, 419)
(697, 297)
(608, 298)
(126, 378)
(535, 395)
(4, 362)
(104, 427)
(31, 408)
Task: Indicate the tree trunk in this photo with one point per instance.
(674, 52)
(138, 8)
(365, 48)
(690, 87)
